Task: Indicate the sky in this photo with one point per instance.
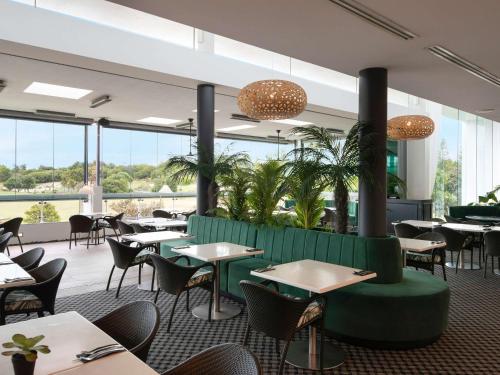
(61, 145)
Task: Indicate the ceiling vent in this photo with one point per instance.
(43, 112)
(100, 101)
(240, 117)
(454, 59)
(374, 18)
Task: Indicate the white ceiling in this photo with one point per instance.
(324, 34)
(133, 98)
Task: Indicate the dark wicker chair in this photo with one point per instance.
(328, 218)
(124, 228)
(437, 220)
(455, 242)
(4, 241)
(30, 259)
(451, 219)
(133, 325)
(126, 256)
(13, 226)
(139, 228)
(175, 279)
(404, 230)
(82, 224)
(110, 222)
(429, 259)
(224, 359)
(279, 316)
(492, 249)
(163, 213)
(38, 297)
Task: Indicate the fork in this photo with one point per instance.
(101, 354)
(86, 353)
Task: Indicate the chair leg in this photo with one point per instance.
(88, 239)
(70, 239)
(247, 336)
(211, 302)
(156, 295)
(153, 279)
(20, 244)
(140, 273)
(40, 314)
(283, 358)
(277, 346)
(458, 259)
(172, 313)
(121, 280)
(187, 300)
(8, 251)
(322, 345)
(443, 265)
(485, 266)
(472, 257)
(109, 279)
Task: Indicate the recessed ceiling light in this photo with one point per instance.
(158, 120)
(237, 127)
(195, 110)
(58, 91)
(293, 122)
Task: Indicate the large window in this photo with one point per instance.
(41, 170)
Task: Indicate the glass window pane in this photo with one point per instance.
(69, 144)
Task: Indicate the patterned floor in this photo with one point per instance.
(471, 345)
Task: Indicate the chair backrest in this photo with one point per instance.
(12, 225)
(124, 228)
(271, 313)
(113, 220)
(329, 215)
(48, 276)
(172, 277)
(30, 259)
(454, 239)
(4, 241)
(224, 359)
(431, 236)
(437, 219)
(133, 325)
(81, 224)
(139, 228)
(123, 255)
(492, 243)
(163, 213)
(451, 219)
(404, 230)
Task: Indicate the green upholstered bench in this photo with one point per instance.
(460, 212)
(395, 310)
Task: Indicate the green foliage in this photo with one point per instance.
(305, 187)
(235, 194)
(4, 173)
(10, 183)
(26, 346)
(490, 198)
(34, 214)
(117, 183)
(267, 187)
(446, 184)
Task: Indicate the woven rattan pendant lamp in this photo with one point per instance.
(410, 127)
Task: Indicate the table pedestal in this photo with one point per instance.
(305, 355)
(220, 311)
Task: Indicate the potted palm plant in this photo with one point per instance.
(187, 168)
(26, 352)
(236, 186)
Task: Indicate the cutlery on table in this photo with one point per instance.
(87, 353)
(101, 353)
(265, 269)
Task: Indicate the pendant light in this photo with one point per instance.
(409, 127)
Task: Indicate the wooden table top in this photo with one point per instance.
(217, 251)
(66, 335)
(419, 246)
(314, 276)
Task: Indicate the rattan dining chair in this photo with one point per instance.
(174, 279)
(451, 219)
(4, 241)
(38, 297)
(138, 228)
(125, 257)
(404, 230)
(224, 359)
(110, 222)
(82, 224)
(30, 259)
(125, 228)
(491, 249)
(428, 259)
(280, 316)
(456, 242)
(13, 226)
(133, 325)
(163, 214)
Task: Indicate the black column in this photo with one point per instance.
(205, 141)
(373, 112)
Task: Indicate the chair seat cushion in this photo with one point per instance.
(142, 256)
(21, 300)
(422, 257)
(200, 277)
(313, 311)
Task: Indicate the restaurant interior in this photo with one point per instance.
(248, 188)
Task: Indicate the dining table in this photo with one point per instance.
(215, 253)
(68, 334)
(159, 223)
(12, 275)
(418, 246)
(317, 278)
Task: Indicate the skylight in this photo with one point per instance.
(293, 122)
(237, 127)
(158, 120)
(58, 91)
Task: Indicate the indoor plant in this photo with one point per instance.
(25, 355)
